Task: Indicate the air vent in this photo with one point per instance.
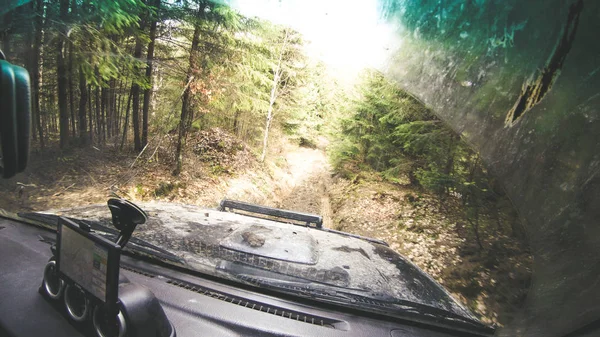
(266, 308)
(137, 271)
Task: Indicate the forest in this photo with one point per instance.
(177, 97)
(129, 72)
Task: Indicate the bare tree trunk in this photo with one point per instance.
(149, 62)
(236, 122)
(186, 99)
(54, 120)
(268, 126)
(135, 93)
(29, 57)
(112, 103)
(98, 127)
(36, 79)
(82, 103)
(61, 73)
(103, 113)
(108, 108)
(118, 106)
(273, 97)
(157, 84)
(126, 124)
(113, 108)
(91, 119)
(71, 95)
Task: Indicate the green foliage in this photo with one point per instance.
(96, 30)
(245, 77)
(389, 131)
(434, 180)
(107, 43)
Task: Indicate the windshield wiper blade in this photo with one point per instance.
(362, 299)
(359, 298)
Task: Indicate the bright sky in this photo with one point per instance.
(345, 34)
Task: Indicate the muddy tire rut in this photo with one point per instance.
(308, 191)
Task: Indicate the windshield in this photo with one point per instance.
(311, 263)
(449, 146)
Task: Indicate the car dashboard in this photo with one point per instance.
(195, 304)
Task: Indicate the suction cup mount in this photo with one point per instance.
(125, 217)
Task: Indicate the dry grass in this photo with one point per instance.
(492, 282)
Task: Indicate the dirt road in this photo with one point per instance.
(310, 175)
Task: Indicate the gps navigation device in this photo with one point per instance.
(89, 261)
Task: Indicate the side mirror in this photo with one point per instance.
(15, 117)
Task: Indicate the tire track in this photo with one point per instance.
(311, 176)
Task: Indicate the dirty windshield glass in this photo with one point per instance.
(449, 147)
